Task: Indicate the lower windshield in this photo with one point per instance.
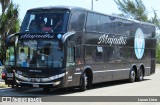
(39, 53)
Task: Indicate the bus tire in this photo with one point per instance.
(132, 76)
(140, 75)
(83, 82)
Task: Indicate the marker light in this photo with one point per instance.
(59, 36)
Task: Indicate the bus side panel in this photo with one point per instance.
(110, 72)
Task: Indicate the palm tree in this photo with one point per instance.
(4, 5)
(8, 22)
(133, 9)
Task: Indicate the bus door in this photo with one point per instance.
(70, 63)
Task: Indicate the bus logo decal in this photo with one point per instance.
(30, 36)
(105, 39)
(139, 43)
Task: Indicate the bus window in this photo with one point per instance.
(117, 25)
(70, 56)
(99, 54)
(89, 54)
(77, 21)
(98, 23)
(78, 54)
(93, 54)
(91, 22)
(45, 21)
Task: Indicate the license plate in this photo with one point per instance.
(9, 75)
(35, 85)
(9, 78)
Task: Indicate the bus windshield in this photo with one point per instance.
(39, 54)
(45, 21)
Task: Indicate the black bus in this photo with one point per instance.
(60, 47)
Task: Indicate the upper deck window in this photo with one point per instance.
(39, 21)
(77, 21)
(98, 23)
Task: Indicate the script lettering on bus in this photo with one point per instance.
(105, 39)
(25, 36)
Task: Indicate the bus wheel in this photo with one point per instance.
(84, 82)
(132, 76)
(141, 75)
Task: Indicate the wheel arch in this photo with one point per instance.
(89, 73)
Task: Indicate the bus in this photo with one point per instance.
(61, 47)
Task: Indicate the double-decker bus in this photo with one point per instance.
(60, 47)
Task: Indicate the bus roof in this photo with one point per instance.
(60, 7)
(72, 8)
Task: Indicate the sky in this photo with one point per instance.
(103, 6)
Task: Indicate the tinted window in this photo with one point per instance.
(92, 22)
(77, 21)
(89, 54)
(70, 56)
(128, 28)
(98, 23)
(99, 54)
(45, 21)
(93, 54)
(117, 25)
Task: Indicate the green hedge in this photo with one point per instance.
(158, 54)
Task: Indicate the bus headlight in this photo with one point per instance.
(56, 83)
(17, 81)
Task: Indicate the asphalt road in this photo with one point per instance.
(149, 87)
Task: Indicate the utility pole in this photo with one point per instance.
(92, 4)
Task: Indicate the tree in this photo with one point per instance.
(9, 22)
(155, 19)
(133, 9)
(4, 5)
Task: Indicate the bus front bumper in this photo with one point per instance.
(39, 85)
(52, 81)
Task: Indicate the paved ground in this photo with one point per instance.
(1, 80)
(149, 87)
